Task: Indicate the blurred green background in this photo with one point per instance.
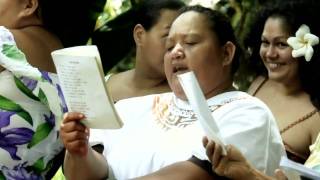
(113, 33)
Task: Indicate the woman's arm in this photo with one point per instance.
(185, 170)
(81, 161)
(91, 166)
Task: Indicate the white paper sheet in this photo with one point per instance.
(82, 81)
(200, 106)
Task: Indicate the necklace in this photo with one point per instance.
(169, 116)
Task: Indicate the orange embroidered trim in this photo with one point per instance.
(169, 116)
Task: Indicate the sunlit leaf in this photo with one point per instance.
(41, 133)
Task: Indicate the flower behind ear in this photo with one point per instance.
(302, 43)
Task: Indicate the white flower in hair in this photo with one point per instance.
(302, 43)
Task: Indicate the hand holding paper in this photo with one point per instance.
(199, 105)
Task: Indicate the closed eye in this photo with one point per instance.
(282, 45)
(190, 44)
(169, 48)
(164, 36)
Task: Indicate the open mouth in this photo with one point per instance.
(179, 70)
(274, 66)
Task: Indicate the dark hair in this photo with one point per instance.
(290, 12)
(119, 29)
(148, 11)
(72, 21)
(221, 26)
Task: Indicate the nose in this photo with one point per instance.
(177, 52)
(271, 52)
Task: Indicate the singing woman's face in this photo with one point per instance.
(193, 46)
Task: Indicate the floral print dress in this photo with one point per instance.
(31, 105)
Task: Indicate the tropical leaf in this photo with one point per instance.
(7, 104)
(23, 88)
(26, 116)
(39, 166)
(12, 52)
(43, 97)
(41, 133)
(2, 176)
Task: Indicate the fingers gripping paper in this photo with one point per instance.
(199, 105)
(82, 82)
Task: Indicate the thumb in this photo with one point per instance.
(234, 154)
(279, 175)
(205, 141)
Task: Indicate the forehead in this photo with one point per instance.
(190, 23)
(275, 26)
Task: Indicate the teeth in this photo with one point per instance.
(274, 65)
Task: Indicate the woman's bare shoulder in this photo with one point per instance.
(256, 84)
(119, 85)
(315, 126)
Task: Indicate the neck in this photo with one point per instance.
(223, 87)
(288, 89)
(141, 80)
(146, 69)
(28, 22)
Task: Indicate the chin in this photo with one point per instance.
(276, 77)
(180, 94)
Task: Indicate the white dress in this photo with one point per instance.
(160, 130)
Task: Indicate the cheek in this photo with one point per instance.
(294, 66)
(208, 80)
(157, 43)
(167, 65)
(287, 56)
(157, 49)
(262, 51)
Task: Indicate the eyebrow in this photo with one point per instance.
(184, 35)
(276, 38)
(193, 35)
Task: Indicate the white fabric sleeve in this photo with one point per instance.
(250, 126)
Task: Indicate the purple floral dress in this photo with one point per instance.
(31, 105)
